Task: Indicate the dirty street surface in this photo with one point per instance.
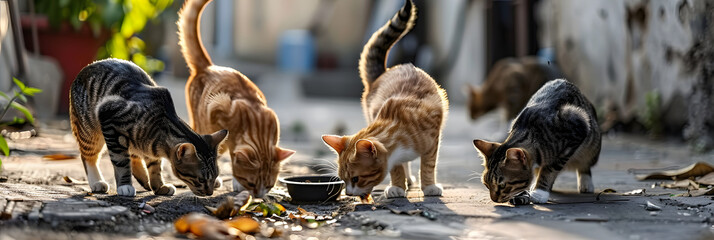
(44, 194)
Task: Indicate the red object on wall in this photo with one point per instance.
(72, 49)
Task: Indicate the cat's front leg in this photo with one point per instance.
(398, 187)
(428, 174)
(157, 179)
(546, 177)
(122, 173)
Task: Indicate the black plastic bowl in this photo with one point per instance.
(313, 189)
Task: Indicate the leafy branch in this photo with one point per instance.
(12, 103)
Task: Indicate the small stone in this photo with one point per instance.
(651, 207)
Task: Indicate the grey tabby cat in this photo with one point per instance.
(556, 130)
(115, 102)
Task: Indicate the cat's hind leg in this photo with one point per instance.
(585, 181)
(399, 185)
(138, 168)
(90, 146)
(157, 179)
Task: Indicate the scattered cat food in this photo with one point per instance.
(59, 156)
(367, 199)
(652, 207)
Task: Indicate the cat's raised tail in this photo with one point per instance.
(190, 36)
(374, 55)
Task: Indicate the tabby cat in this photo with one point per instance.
(557, 130)
(223, 98)
(405, 111)
(115, 102)
(509, 85)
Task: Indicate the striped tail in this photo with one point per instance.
(374, 55)
(190, 36)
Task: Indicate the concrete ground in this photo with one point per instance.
(48, 207)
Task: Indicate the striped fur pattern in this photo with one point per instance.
(223, 98)
(509, 85)
(557, 130)
(405, 111)
(115, 102)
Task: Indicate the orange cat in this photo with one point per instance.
(405, 110)
(223, 98)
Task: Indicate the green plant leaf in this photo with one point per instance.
(2, 94)
(30, 91)
(3, 146)
(24, 111)
(19, 83)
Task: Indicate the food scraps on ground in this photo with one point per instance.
(245, 218)
(366, 199)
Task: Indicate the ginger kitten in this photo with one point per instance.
(557, 130)
(405, 111)
(509, 85)
(223, 98)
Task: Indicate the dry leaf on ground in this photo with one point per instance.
(59, 156)
(682, 184)
(694, 170)
(707, 179)
(204, 227)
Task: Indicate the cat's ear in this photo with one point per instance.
(184, 150)
(366, 148)
(515, 158)
(218, 137)
(283, 153)
(337, 143)
(486, 147)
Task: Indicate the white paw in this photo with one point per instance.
(126, 190)
(539, 196)
(100, 187)
(395, 192)
(218, 184)
(237, 187)
(166, 190)
(433, 190)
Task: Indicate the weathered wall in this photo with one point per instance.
(618, 51)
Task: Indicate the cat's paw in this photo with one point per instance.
(433, 190)
(237, 187)
(395, 192)
(166, 190)
(218, 183)
(126, 190)
(539, 196)
(100, 187)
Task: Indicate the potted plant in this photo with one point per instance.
(76, 32)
